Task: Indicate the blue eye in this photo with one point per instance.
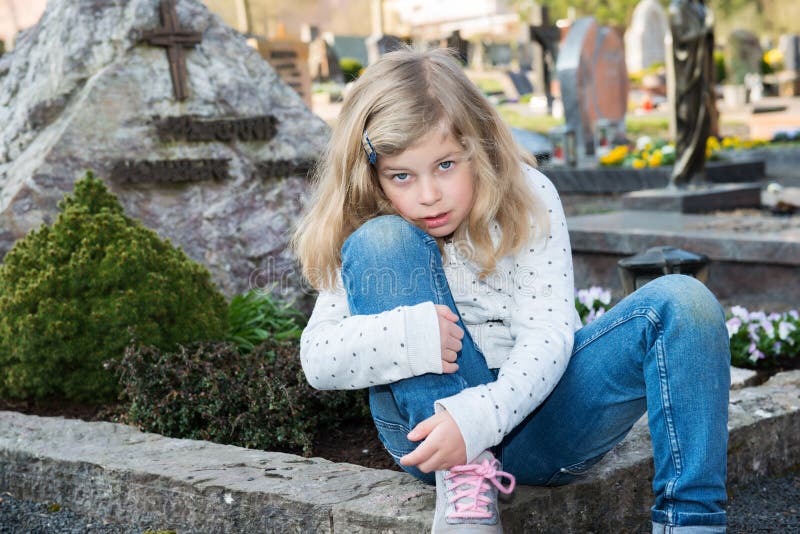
(400, 177)
(446, 165)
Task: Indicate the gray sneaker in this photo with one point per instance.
(466, 497)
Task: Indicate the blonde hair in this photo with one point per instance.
(398, 100)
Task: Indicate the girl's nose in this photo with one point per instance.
(429, 192)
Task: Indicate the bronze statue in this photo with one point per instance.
(692, 101)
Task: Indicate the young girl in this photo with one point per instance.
(446, 287)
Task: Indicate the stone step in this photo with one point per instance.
(116, 472)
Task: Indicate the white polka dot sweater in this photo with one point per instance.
(522, 318)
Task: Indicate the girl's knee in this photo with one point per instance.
(383, 235)
(689, 296)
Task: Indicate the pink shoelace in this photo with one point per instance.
(476, 478)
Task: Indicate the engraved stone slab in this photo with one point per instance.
(290, 60)
(221, 174)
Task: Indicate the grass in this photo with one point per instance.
(635, 126)
(655, 126)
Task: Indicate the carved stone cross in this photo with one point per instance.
(174, 39)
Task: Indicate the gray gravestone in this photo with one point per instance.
(644, 39)
(593, 79)
(500, 54)
(323, 63)
(380, 44)
(221, 173)
(522, 84)
(789, 45)
(743, 55)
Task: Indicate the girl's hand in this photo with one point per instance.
(450, 334)
(443, 447)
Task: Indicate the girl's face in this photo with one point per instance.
(430, 184)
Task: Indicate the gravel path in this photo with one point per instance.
(767, 505)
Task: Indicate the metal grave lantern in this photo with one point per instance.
(565, 147)
(603, 137)
(637, 270)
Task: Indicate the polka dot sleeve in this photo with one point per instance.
(343, 351)
(542, 324)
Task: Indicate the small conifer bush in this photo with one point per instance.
(215, 392)
(73, 294)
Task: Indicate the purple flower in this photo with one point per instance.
(756, 355)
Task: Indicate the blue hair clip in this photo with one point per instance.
(372, 156)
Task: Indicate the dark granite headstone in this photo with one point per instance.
(459, 44)
(545, 38)
(593, 79)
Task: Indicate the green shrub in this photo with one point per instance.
(256, 316)
(72, 294)
(720, 67)
(351, 68)
(211, 391)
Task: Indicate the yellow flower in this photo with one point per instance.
(616, 155)
(773, 57)
(655, 159)
(645, 154)
(639, 164)
(712, 144)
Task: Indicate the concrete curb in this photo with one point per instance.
(116, 472)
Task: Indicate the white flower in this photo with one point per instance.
(643, 141)
(776, 348)
(784, 329)
(740, 312)
(793, 314)
(758, 316)
(774, 316)
(605, 297)
(733, 325)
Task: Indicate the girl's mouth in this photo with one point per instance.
(438, 220)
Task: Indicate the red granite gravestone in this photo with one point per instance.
(594, 80)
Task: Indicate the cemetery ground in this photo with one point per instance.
(751, 510)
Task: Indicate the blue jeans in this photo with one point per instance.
(663, 349)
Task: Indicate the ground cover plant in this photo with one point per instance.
(213, 391)
(72, 295)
